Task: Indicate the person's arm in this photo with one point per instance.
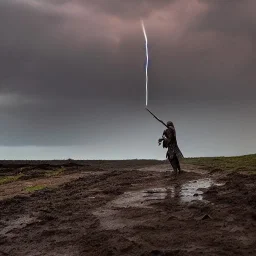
(162, 139)
(168, 137)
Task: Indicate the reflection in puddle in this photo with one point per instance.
(139, 198)
(184, 193)
(191, 191)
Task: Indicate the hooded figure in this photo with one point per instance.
(170, 141)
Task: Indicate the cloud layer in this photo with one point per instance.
(69, 68)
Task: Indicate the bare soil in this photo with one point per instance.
(125, 208)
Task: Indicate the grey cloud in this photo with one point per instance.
(132, 9)
(74, 65)
(230, 17)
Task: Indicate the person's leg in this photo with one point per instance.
(178, 164)
(173, 162)
(174, 166)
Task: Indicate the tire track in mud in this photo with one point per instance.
(17, 188)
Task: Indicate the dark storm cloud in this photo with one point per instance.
(232, 17)
(233, 23)
(69, 66)
(217, 54)
(42, 52)
(132, 9)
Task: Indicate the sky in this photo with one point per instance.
(72, 78)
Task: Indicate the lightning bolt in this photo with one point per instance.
(146, 44)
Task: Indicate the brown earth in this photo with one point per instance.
(125, 208)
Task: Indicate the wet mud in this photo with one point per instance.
(141, 210)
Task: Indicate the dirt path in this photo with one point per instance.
(21, 187)
(134, 212)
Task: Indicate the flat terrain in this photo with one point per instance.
(133, 207)
(243, 164)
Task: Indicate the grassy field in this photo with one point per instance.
(35, 188)
(9, 179)
(238, 163)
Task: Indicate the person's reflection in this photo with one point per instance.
(174, 191)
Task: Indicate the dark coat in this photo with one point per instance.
(171, 143)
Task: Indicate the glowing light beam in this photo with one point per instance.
(146, 68)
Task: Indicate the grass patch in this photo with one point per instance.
(35, 188)
(239, 163)
(55, 172)
(9, 179)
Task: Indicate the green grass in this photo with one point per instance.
(35, 188)
(9, 179)
(55, 172)
(239, 163)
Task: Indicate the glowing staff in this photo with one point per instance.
(146, 44)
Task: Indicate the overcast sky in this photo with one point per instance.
(72, 78)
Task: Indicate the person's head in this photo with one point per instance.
(170, 124)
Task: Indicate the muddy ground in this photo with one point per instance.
(125, 208)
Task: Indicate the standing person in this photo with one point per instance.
(170, 141)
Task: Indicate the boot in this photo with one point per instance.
(175, 173)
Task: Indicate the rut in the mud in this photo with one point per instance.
(190, 191)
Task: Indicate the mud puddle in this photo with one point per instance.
(194, 189)
(109, 215)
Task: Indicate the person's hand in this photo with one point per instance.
(160, 141)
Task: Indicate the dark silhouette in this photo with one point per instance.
(170, 141)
